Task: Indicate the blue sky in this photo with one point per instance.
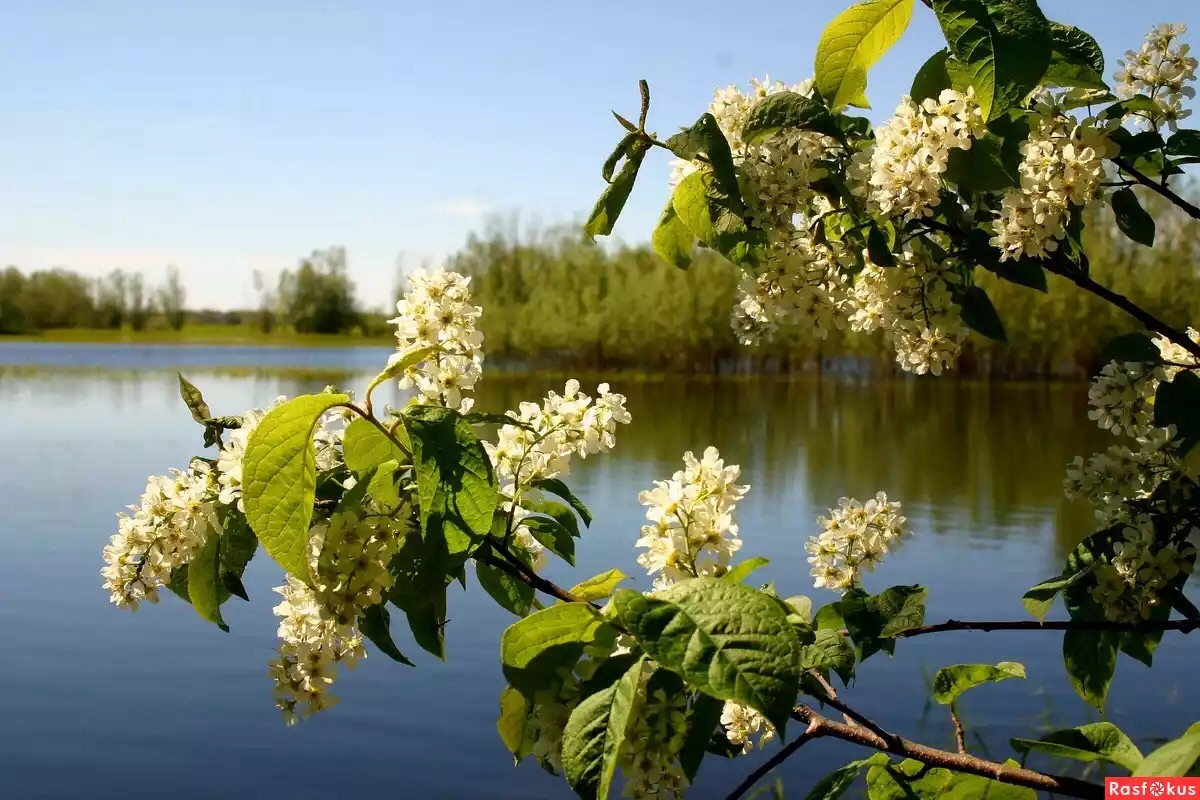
(228, 135)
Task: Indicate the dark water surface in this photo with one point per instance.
(99, 703)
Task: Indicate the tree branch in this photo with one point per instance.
(960, 735)
(958, 762)
(513, 566)
(1144, 180)
(1182, 625)
(771, 763)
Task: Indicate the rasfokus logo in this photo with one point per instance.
(1151, 787)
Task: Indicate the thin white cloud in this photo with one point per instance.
(464, 207)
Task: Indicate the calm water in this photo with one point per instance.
(101, 703)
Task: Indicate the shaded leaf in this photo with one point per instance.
(1099, 741)
(364, 446)
(612, 200)
(788, 111)
(932, 78)
(1132, 219)
(204, 572)
(1090, 658)
(510, 593)
(672, 240)
(595, 732)
(1177, 402)
(376, 624)
(557, 487)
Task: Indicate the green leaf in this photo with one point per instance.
(599, 586)
(1177, 402)
(558, 488)
(852, 43)
(421, 573)
(510, 593)
(561, 514)
(204, 580)
(703, 721)
(398, 365)
(194, 400)
(1076, 60)
(975, 787)
(280, 478)
(829, 617)
(799, 610)
(1184, 143)
(595, 732)
(513, 723)
(1040, 599)
(950, 682)
(553, 536)
(715, 219)
(1132, 219)
(981, 168)
(835, 784)
(891, 781)
(873, 620)
(672, 240)
(705, 138)
(376, 624)
(364, 446)
(740, 572)
(1099, 741)
(1001, 47)
(1090, 658)
(1023, 273)
(1132, 347)
(456, 487)
(831, 650)
(612, 199)
(788, 111)
(614, 158)
(725, 639)
(932, 78)
(1174, 758)
(878, 248)
(533, 649)
(979, 314)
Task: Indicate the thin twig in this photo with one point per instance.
(960, 735)
(829, 690)
(771, 763)
(1144, 180)
(1183, 625)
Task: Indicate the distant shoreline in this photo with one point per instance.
(208, 335)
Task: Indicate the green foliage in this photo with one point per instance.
(1132, 347)
(725, 639)
(785, 111)
(556, 487)
(671, 238)
(835, 784)
(513, 723)
(280, 478)
(534, 649)
(612, 200)
(1000, 47)
(595, 732)
(714, 218)
(509, 592)
(705, 139)
(422, 571)
(204, 581)
(455, 483)
(1176, 403)
(873, 620)
(979, 314)
(599, 586)
(364, 446)
(376, 624)
(950, 682)
(982, 168)
(829, 651)
(1174, 758)
(1075, 59)
(1040, 599)
(194, 400)
(705, 716)
(888, 780)
(1132, 219)
(1098, 741)
(852, 43)
(1091, 659)
(932, 78)
(740, 572)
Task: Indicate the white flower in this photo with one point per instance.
(649, 757)
(692, 532)
(1162, 70)
(853, 539)
(1131, 585)
(743, 725)
(437, 312)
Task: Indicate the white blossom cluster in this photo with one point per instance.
(318, 628)
(1162, 70)
(1131, 586)
(176, 515)
(649, 758)
(745, 727)
(552, 433)
(437, 312)
(692, 532)
(1062, 165)
(853, 539)
(913, 306)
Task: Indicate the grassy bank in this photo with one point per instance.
(212, 334)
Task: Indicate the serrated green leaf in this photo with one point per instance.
(533, 649)
(595, 732)
(553, 536)
(852, 43)
(400, 363)
(705, 138)
(280, 478)
(556, 487)
(835, 784)
(981, 168)
(1174, 758)
(872, 620)
(831, 651)
(788, 111)
(714, 218)
(1177, 402)
(1040, 599)
(891, 781)
(1090, 658)
(1099, 741)
(556, 511)
(421, 570)
(950, 682)
(1076, 60)
(979, 314)
(739, 572)
(364, 446)
(975, 787)
(599, 586)
(724, 639)
(829, 617)
(204, 581)
(376, 624)
(932, 78)
(510, 593)
(1132, 219)
(612, 200)
(194, 400)
(1000, 47)
(878, 248)
(513, 723)
(672, 240)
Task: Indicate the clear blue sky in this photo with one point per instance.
(228, 135)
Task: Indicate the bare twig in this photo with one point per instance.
(960, 734)
(1144, 180)
(1182, 625)
(771, 763)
